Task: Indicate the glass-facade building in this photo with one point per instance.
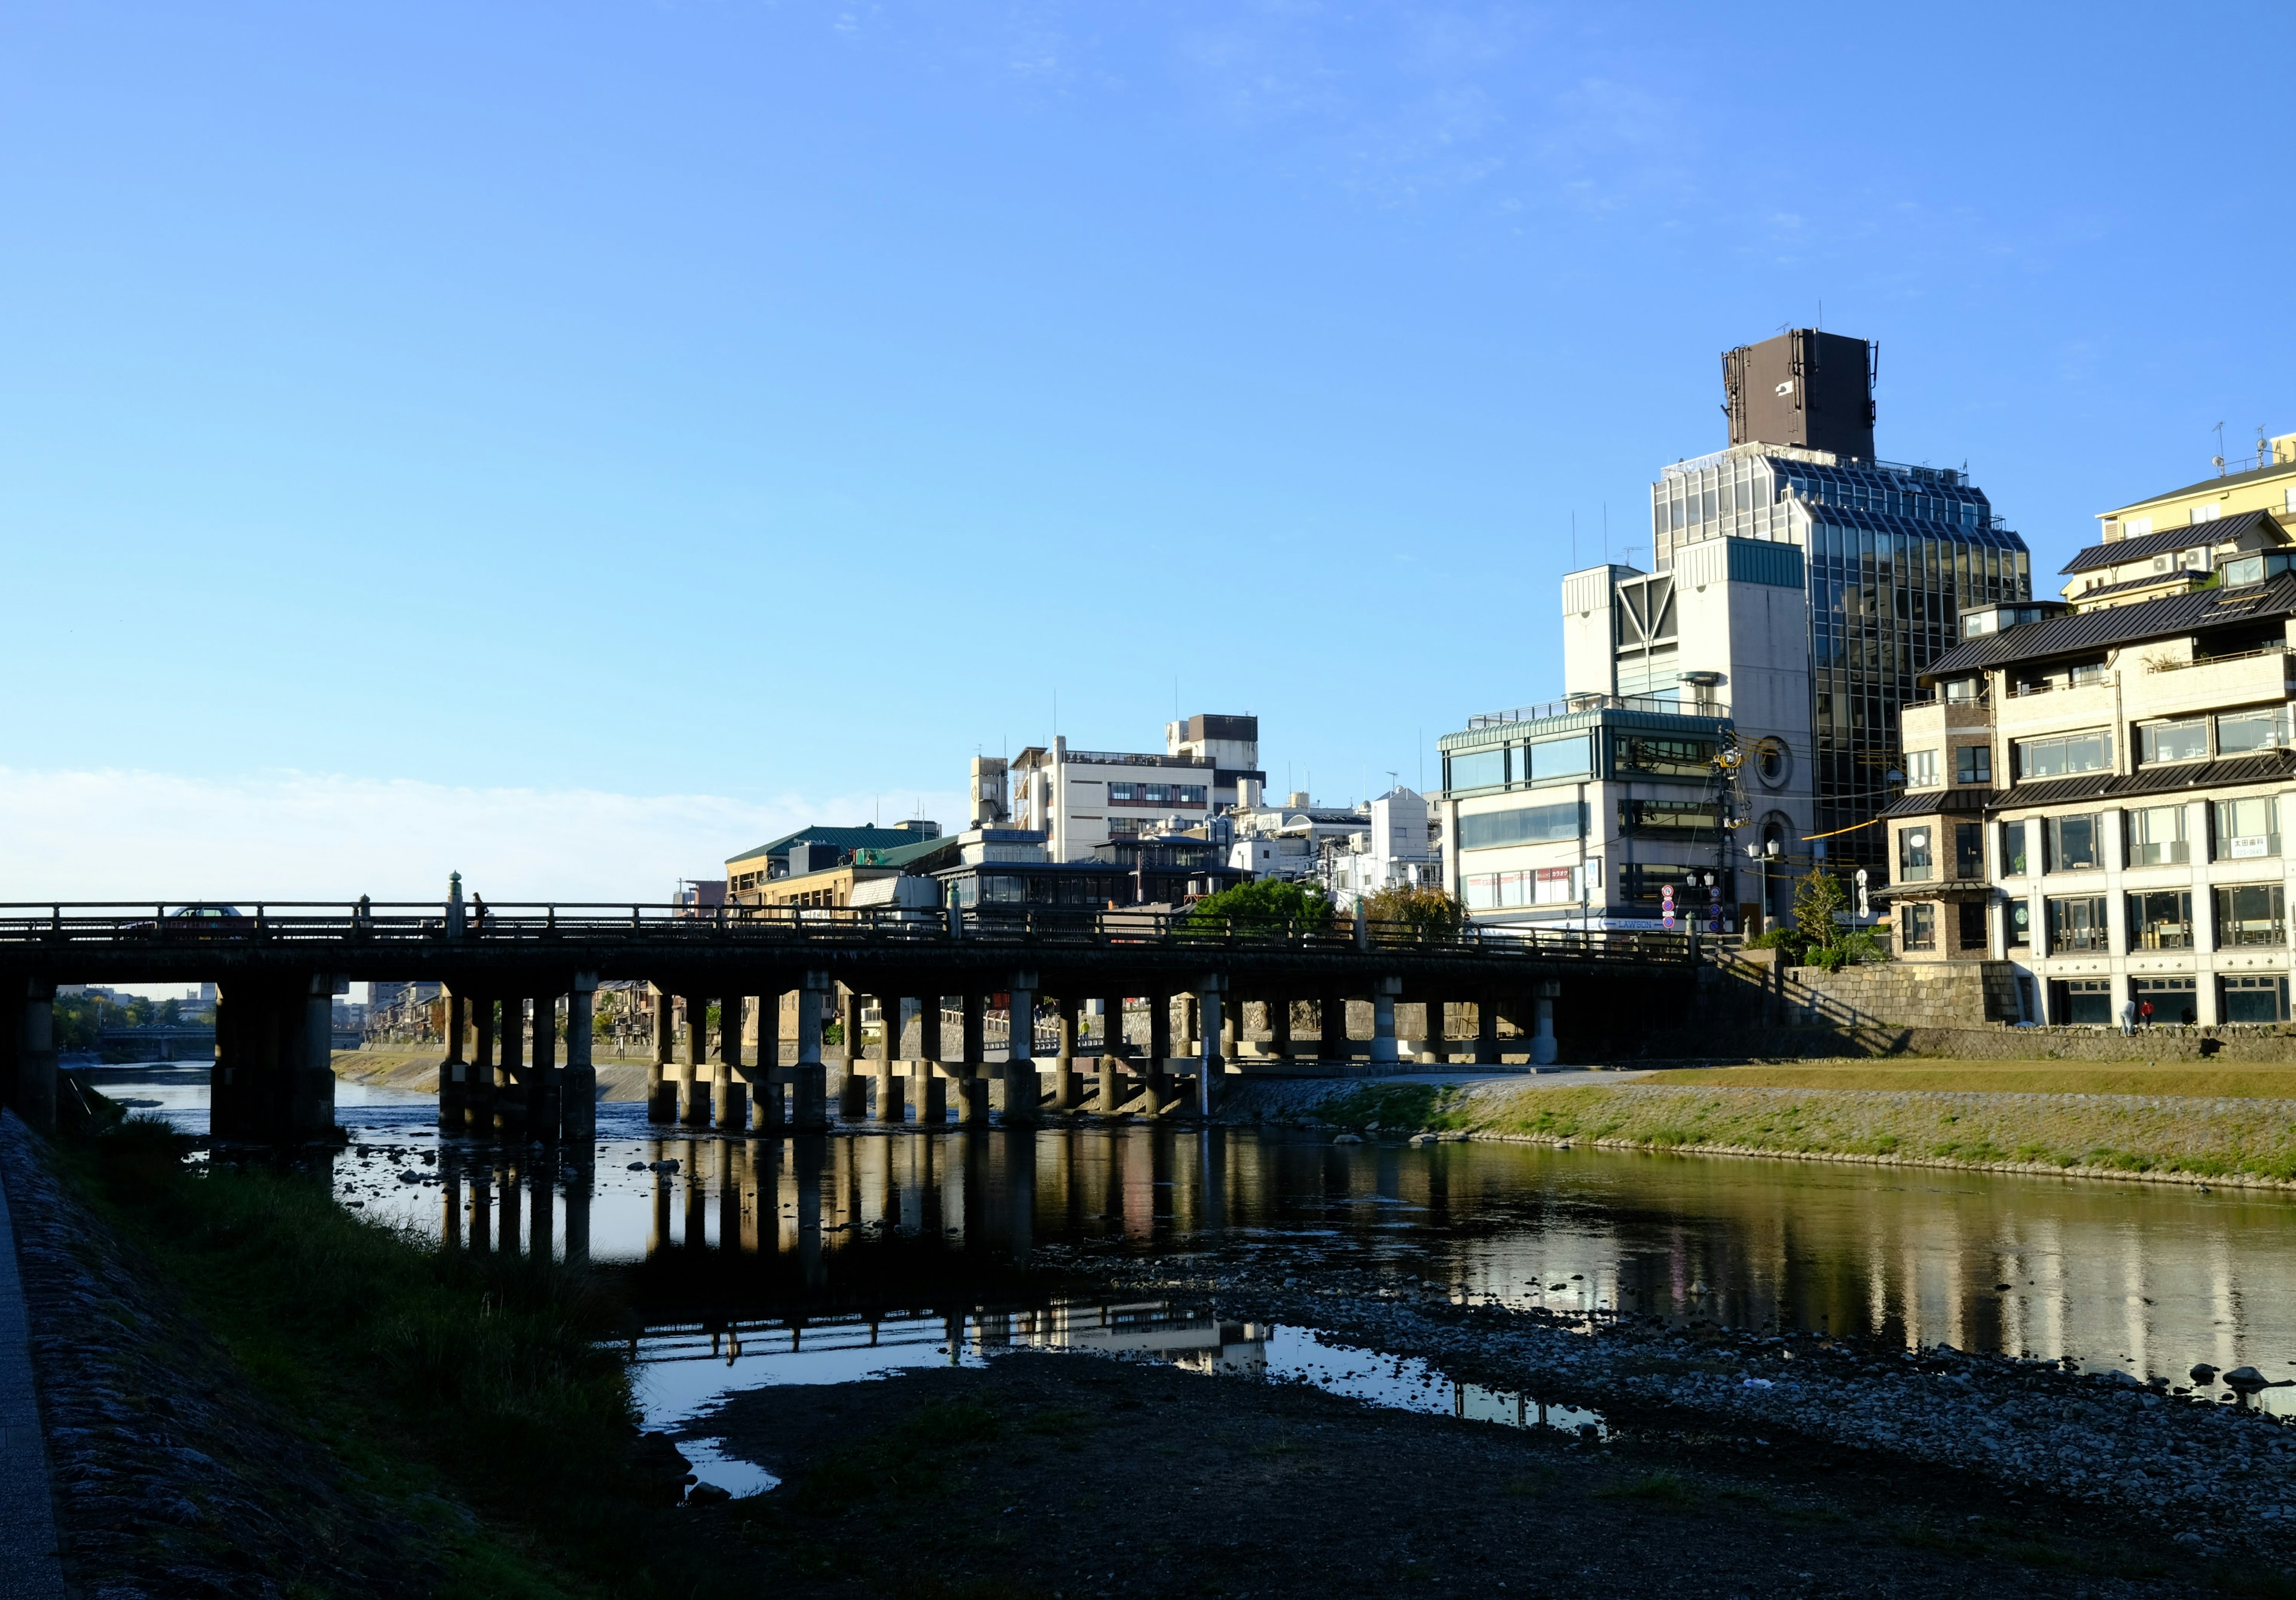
(1893, 556)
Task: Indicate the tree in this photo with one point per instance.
(1818, 897)
(1267, 906)
(1423, 910)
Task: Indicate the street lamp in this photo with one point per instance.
(1765, 853)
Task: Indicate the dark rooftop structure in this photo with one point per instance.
(2079, 632)
(2194, 536)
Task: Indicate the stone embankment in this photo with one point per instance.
(2249, 1142)
(2222, 1472)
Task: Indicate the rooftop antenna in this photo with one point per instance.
(2218, 459)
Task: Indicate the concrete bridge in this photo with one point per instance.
(279, 966)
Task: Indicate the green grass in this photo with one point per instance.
(2004, 1077)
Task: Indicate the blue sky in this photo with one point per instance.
(562, 442)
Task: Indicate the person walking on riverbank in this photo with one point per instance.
(2128, 1018)
(2144, 1015)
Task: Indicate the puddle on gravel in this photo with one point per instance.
(685, 1374)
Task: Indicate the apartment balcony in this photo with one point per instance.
(2175, 688)
(2053, 709)
(1929, 721)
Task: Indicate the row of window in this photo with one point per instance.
(2068, 755)
(1156, 794)
(2246, 916)
(2250, 998)
(1972, 764)
(1545, 886)
(2244, 829)
(1571, 758)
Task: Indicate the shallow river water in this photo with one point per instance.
(833, 1257)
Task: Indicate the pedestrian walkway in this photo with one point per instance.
(29, 1567)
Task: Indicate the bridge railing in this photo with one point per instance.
(428, 927)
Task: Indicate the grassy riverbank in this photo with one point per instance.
(468, 1395)
(2196, 1137)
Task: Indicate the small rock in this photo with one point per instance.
(1349, 1139)
(708, 1494)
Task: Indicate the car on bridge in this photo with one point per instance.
(198, 922)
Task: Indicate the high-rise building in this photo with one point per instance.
(1891, 556)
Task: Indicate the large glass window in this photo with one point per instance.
(1476, 769)
(1972, 763)
(2256, 999)
(1525, 824)
(1678, 819)
(2072, 843)
(2012, 850)
(1645, 880)
(1657, 757)
(2160, 919)
(1920, 769)
(1968, 850)
(2082, 1002)
(1555, 760)
(2252, 914)
(1556, 885)
(2156, 836)
(1919, 926)
(2076, 922)
(2241, 732)
(1916, 860)
(1970, 915)
(2064, 756)
(2247, 828)
(2185, 741)
(2171, 999)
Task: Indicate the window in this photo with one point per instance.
(2156, 837)
(1556, 886)
(1480, 890)
(1662, 758)
(1971, 916)
(1555, 760)
(1972, 763)
(2082, 1002)
(1968, 850)
(2072, 843)
(1915, 864)
(2064, 756)
(2244, 731)
(1643, 881)
(2076, 922)
(2012, 850)
(1480, 769)
(2087, 672)
(1682, 819)
(2185, 741)
(2254, 999)
(2172, 998)
(2020, 924)
(2207, 513)
(2134, 527)
(2247, 828)
(1919, 926)
(1920, 769)
(1963, 688)
(1527, 824)
(2252, 914)
(2160, 919)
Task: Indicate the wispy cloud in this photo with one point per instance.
(125, 834)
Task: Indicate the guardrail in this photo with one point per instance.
(427, 928)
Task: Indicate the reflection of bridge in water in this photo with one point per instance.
(505, 1069)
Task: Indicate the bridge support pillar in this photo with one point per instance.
(1106, 1097)
(1157, 1078)
(1543, 1049)
(692, 1084)
(853, 1091)
(581, 1115)
(31, 1053)
(479, 1112)
(892, 1096)
(545, 1102)
(972, 1080)
(1064, 1068)
(511, 1104)
(1212, 993)
(1279, 1028)
(1487, 1030)
(454, 1072)
(733, 1081)
(765, 1082)
(1024, 1092)
(662, 1098)
(1331, 1026)
(1384, 993)
(932, 1079)
(275, 1082)
(809, 1084)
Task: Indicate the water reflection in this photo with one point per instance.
(2152, 1279)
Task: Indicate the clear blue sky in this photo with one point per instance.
(782, 402)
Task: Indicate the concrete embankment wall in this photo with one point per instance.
(2241, 1142)
(617, 1079)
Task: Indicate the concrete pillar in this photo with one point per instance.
(1157, 1078)
(1331, 1026)
(36, 1057)
(765, 1087)
(546, 1112)
(579, 1118)
(661, 1097)
(509, 1099)
(1384, 992)
(1487, 1030)
(932, 1083)
(1279, 1028)
(1023, 1091)
(892, 1098)
(1228, 1028)
(479, 1117)
(693, 1082)
(1064, 1066)
(454, 1072)
(733, 1097)
(1107, 1095)
(579, 1184)
(810, 1085)
(1542, 1042)
(853, 1091)
(973, 1078)
(1211, 990)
